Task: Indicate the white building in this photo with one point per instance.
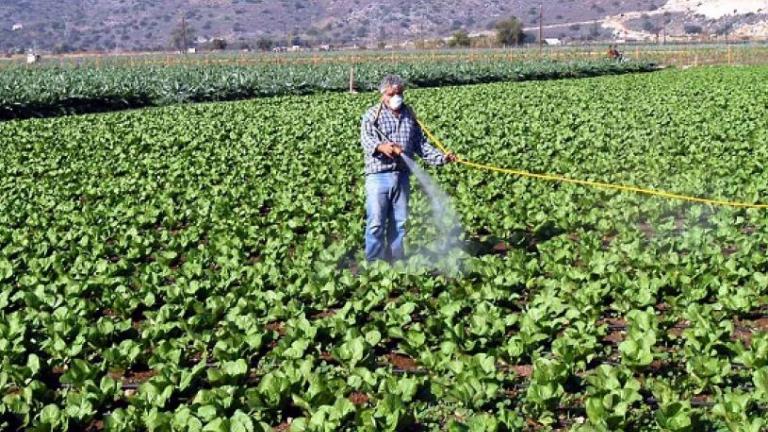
(553, 42)
(17, 27)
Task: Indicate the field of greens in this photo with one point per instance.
(200, 267)
(43, 91)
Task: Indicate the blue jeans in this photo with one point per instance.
(386, 206)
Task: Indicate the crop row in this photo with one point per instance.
(47, 91)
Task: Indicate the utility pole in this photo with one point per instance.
(541, 28)
(184, 33)
(66, 28)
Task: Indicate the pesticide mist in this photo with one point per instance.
(447, 244)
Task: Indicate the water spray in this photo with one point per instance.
(444, 216)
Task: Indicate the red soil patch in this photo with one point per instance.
(358, 398)
(743, 335)
(282, 427)
(760, 324)
(402, 362)
(701, 399)
(95, 425)
(277, 327)
(132, 378)
(614, 337)
(500, 248)
(325, 314)
(613, 322)
(327, 356)
(524, 371)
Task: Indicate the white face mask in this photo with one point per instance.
(395, 102)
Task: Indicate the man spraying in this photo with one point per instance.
(388, 131)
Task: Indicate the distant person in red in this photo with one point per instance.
(614, 53)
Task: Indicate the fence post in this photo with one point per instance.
(352, 79)
(730, 55)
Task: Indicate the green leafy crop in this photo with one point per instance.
(200, 267)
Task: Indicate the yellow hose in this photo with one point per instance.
(594, 184)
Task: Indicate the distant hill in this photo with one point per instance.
(148, 24)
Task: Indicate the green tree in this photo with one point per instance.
(509, 31)
(264, 44)
(62, 47)
(692, 29)
(219, 44)
(459, 39)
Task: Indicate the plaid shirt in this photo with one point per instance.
(401, 130)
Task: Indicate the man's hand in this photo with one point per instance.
(390, 149)
(450, 158)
